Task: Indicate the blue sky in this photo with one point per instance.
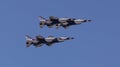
(96, 44)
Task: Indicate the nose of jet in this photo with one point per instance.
(89, 20)
(70, 38)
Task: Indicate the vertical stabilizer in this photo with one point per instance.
(41, 18)
(28, 40)
(42, 21)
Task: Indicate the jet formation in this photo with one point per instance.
(64, 22)
(40, 40)
(60, 22)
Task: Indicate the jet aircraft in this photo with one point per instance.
(40, 40)
(64, 22)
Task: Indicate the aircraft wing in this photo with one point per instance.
(39, 45)
(39, 37)
(65, 26)
(50, 25)
(53, 18)
(49, 44)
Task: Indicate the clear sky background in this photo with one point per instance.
(96, 44)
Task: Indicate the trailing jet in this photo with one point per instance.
(64, 22)
(40, 40)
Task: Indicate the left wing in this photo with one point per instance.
(53, 18)
(39, 45)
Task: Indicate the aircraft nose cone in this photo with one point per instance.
(89, 20)
(72, 37)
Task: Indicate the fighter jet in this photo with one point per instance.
(40, 40)
(64, 22)
(52, 21)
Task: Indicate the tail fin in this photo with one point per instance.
(42, 21)
(28, 40)
(41, 18)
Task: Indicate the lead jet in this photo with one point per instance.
(52, 21)
(58, 22)
(40, 40)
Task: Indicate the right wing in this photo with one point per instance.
(49, 44)
(39, 45)
(50, 25)
(65, 27)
